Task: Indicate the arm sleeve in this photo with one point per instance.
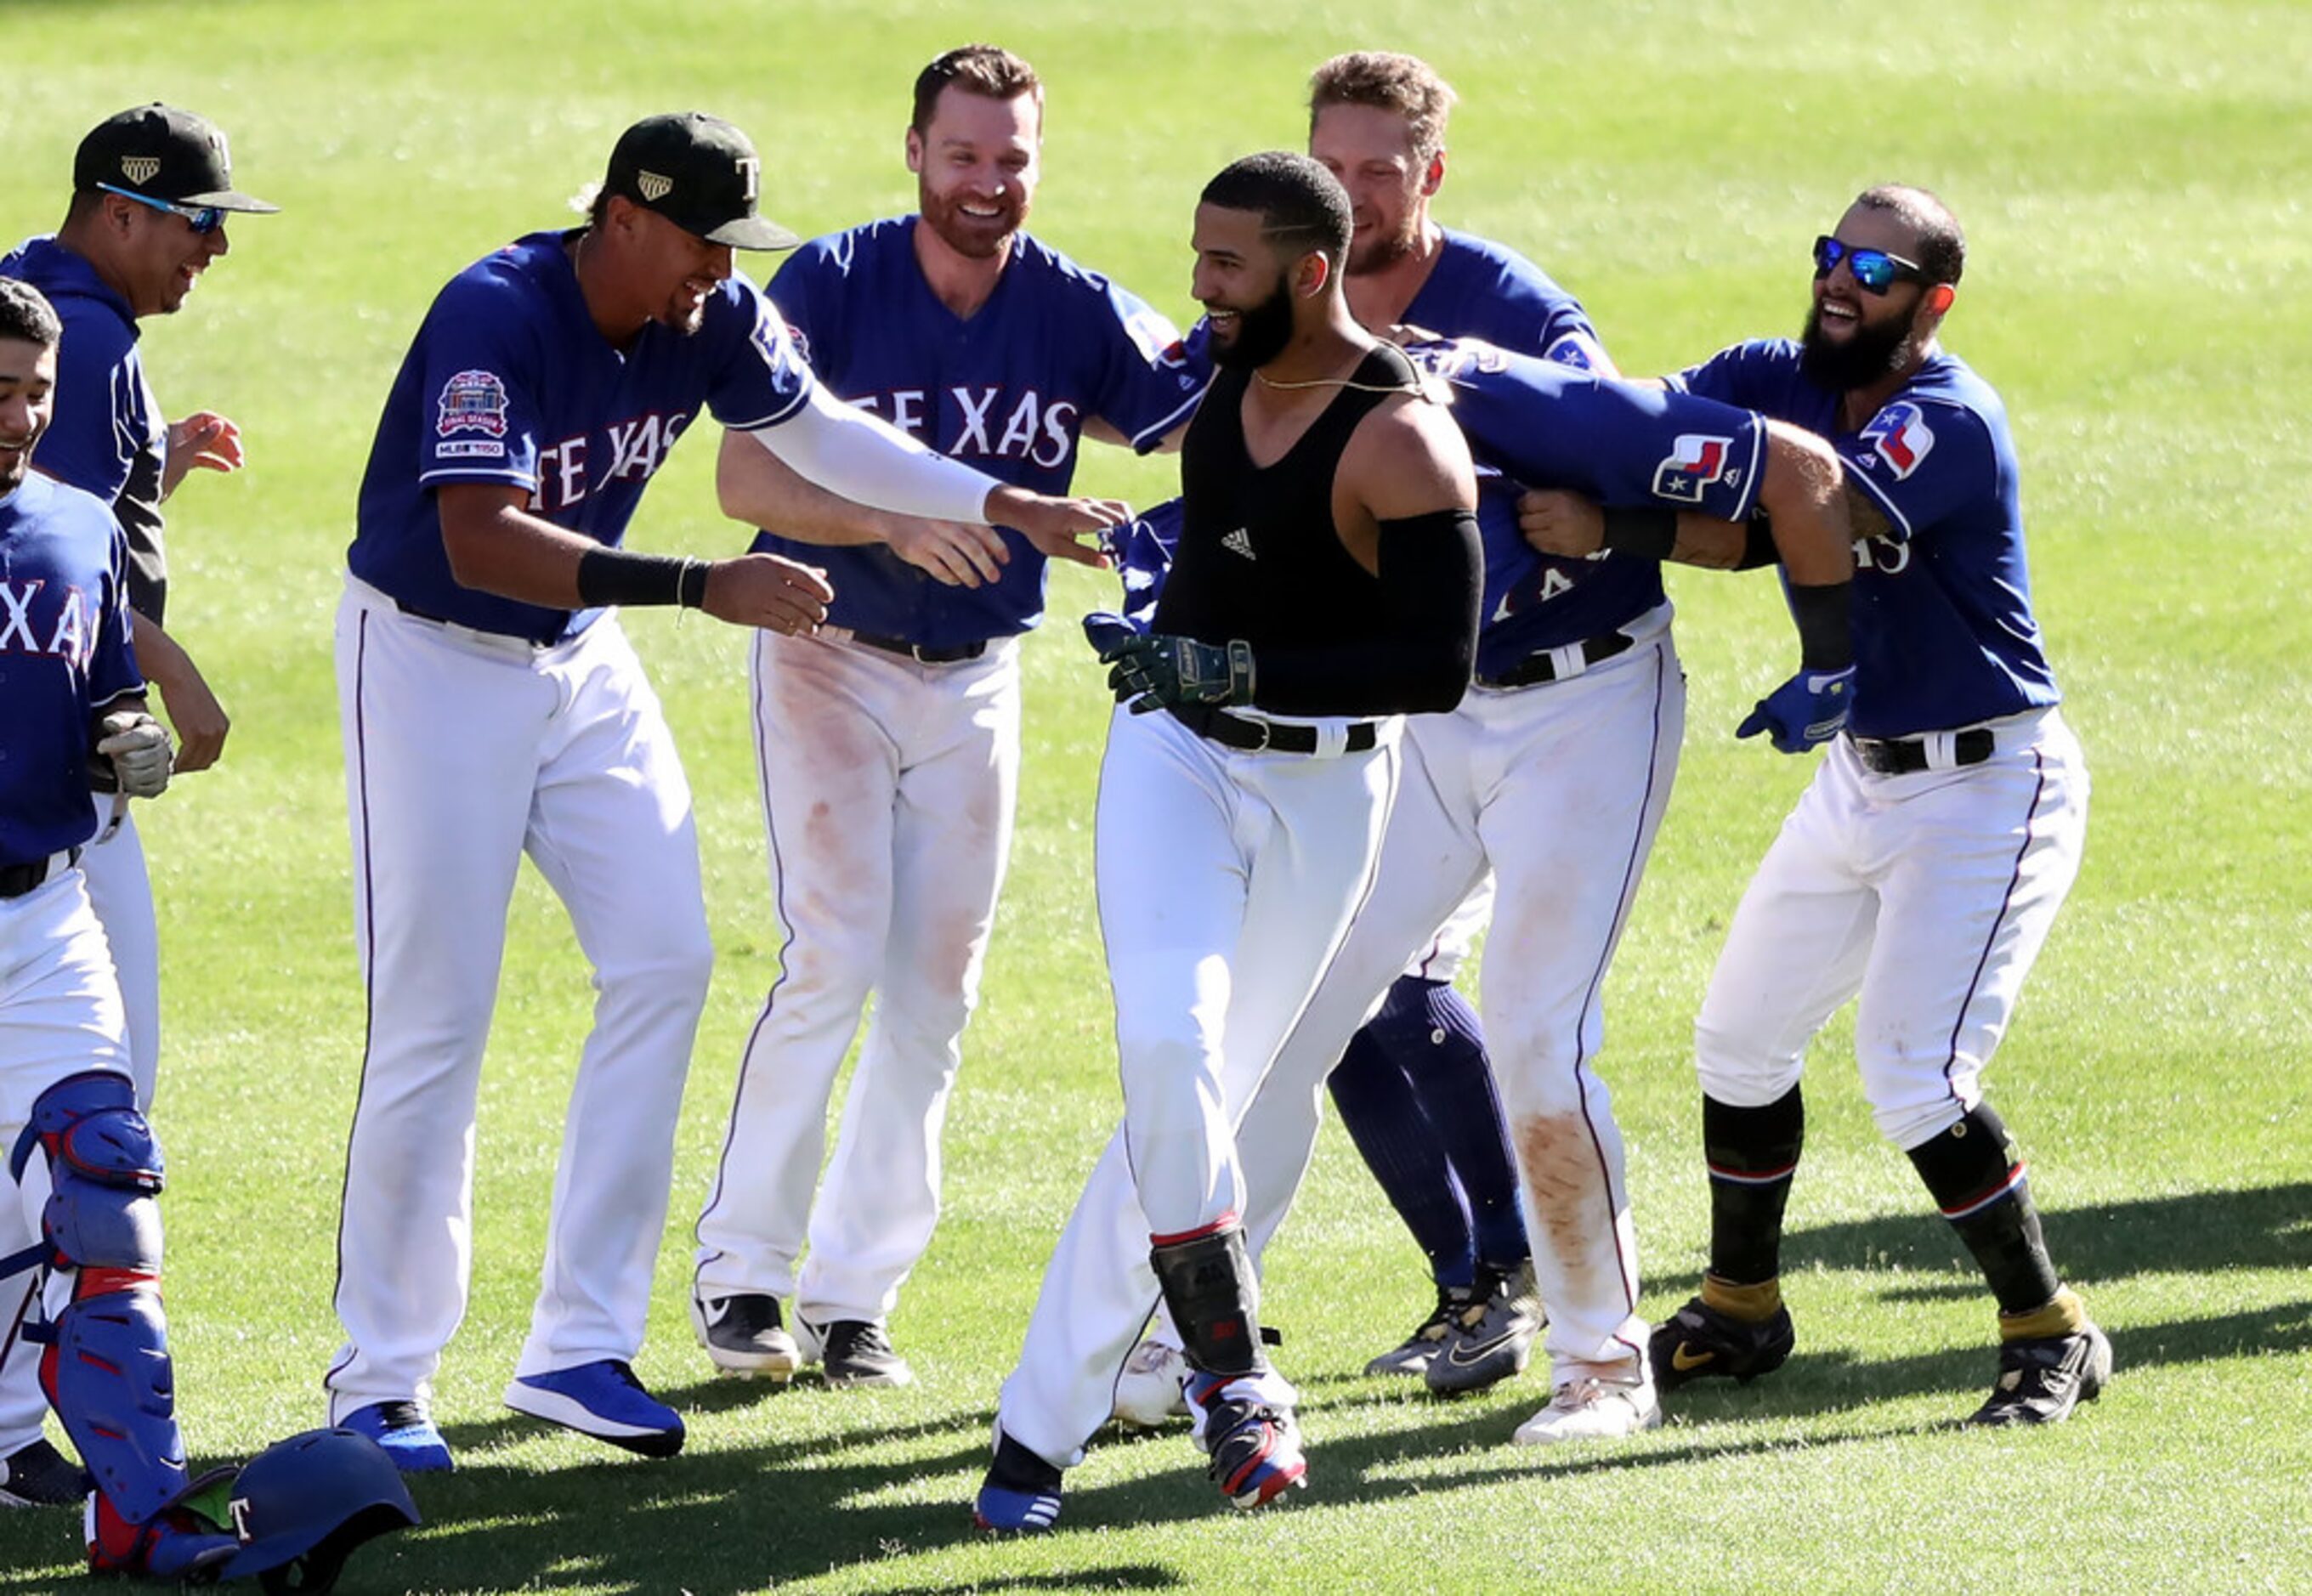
(764, 379)
(1430, 573)
(112, 670)
(1151, 381)
(105, 411)
(480, 421)
(1918, 462)
(848, 451)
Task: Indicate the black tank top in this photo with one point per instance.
(1259, 558)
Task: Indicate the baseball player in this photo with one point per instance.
(491, 707)
(1326, 583)
(77, 1220)
(889, 741)
(1924, 864)
(1413, 1087)
(152, 188)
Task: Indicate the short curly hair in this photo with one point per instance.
(1386, 80)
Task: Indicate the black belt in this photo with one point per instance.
(16, 880)
(415, 614)
(1541, 667)
(1255, 736)
(1906, 756)
(919, 653)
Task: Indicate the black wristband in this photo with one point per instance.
(623, 577)
(1826, 636)
(1644, 532)
(691, 593)
(1759, 547)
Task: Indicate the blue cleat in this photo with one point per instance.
(1245, 1424)
(406, 1433)
(603, 1399)
(1021, 1493)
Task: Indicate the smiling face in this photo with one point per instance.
(1244, 286)
(28, 382)
(1370, 150)
(1852, 337)
(155, 255)
(684, 270)
(976, 163)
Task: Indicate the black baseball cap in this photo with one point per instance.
(162, 154)
(698, 172)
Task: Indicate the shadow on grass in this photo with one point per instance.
(2198, 1233)
(751, 1518)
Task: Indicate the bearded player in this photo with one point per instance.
(1326, 583)
(889, 740)
(1924, 864)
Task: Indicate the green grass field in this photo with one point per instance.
(2133, 182)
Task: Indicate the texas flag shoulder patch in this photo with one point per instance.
(1900, 436)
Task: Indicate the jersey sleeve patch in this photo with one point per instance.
(472, 401)
(1899, 435)
(1696, 461)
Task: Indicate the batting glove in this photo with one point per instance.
(139, 747)
(1804, 713)
(1153, 671)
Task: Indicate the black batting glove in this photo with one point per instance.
(1151, 671)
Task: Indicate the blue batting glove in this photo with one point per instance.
(1804, 713)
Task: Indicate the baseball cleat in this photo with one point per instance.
(1590, 1408)
(37, 1475)
(1250, 1434)
(1699, 1341)
(1021, 1493)
(1412, 1354)
(407, 1433)
(1493, 1337)
(603, 1399)
(744, 1335)
(1148, 1392)
(2042, 1378)
(854, 1352)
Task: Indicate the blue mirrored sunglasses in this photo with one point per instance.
(1876, 270)
(201, 219)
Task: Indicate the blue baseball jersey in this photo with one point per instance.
(1478, 289)
(1944, 635)
(65, 653)
(1538, 423)
(107, 432)
(1007, 390)
(508, 381)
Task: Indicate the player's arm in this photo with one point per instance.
(864, 459)
(193, 709)
(495, 544)
(756, 486)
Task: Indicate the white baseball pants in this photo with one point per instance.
(463, 752)
(120, 891)
(60, 1013)
(1559, 789)
(888, 790)
(1927, 893)
(1226, 881)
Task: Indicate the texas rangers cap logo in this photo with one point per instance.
(473, 402)
(653, 187)
(140, 170)
(1695, 460)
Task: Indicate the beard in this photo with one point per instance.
(1870, 355)
(1379, 253)
(1262, 332)
(975, 237)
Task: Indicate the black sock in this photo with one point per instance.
(1753, 1153)
(1976, 1174)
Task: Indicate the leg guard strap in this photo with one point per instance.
(1209, 1286)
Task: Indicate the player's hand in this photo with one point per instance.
(1054, 526)
(764, 590)
(199, 718)
(956, 552)
(203, 439)
(1559, 523)
(139, 747)
(1150, 670)
(1804, 713)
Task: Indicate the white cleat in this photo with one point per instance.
(1589, 1408)
(1148, 1394)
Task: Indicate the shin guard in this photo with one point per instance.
(1209, 1286)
